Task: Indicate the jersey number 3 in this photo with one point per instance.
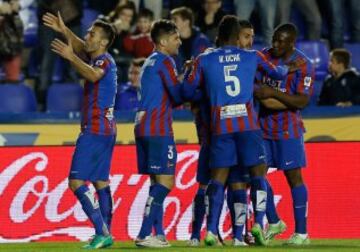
(232, 82)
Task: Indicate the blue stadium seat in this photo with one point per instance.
(17, 98)
(318, 53)
(355, 54)
(64, 97)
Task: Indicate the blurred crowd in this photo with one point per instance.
(25, 54)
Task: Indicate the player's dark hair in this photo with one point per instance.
(343, 56)
(245, 24)
(108, 30)
(146, 13)
(185, 13)
(228, 29)
(138, 62)
(160, 28)
(289, 28)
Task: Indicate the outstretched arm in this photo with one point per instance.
(57, 24)
(90, 73)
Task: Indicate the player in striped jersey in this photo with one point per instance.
(226, 75)
(281, 123)
(155, 147)
(94, 147)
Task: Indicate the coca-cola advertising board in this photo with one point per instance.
(36, 204)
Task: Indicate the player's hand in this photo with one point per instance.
(64, 50)
(264, 92)
(54, 22)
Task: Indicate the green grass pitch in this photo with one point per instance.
(180, 246)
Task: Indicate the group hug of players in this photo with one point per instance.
(238, 143)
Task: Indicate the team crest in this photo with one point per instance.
(307, 81)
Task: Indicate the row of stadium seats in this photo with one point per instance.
(61, 97)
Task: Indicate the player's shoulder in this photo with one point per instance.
(299, 55)
(104, 60)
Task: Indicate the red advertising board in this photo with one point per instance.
(35, 203)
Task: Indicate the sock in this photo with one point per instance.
(300, 201)
(230, 204)
(271, 213)
(215, 196)
(198, 213)
(239, 198)
(106, 205)
(154, 204)
(158, 222)
(258, 198)
(91, 208)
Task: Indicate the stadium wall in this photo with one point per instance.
(37, 206)
(318, 129)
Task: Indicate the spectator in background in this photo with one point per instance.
(102, 6)
(139, 43)
(122, 18)
(193, 41)
(342, 87)
(336, 9)
(310, 11)
(267, 11)
(155, 6)
(72, 11)
(209, 18)
(126, 98)
(11, 39)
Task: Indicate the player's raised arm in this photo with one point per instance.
(170, 79)
(275, 72)
(57, 24)
(66, 51)
(191, 90)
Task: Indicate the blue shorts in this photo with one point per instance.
(156, 155)
(203, 169)
(240, 148)
(92, 157)
(285, 154)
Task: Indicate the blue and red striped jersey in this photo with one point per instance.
(159, 93)
(285, 124)
(226, 76)
(201, 113)
(99, 99)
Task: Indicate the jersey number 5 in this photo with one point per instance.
(233, 88)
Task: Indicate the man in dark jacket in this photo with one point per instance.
(193, 42)
(342, 87)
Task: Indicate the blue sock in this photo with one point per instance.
(239, 198)
(215, 194)
(230, 204)
(258, 198)
(300, 200)
(158, 222)
(106, 205)
(198, 213)
(271, 213)
(154, 204)
(91, 208)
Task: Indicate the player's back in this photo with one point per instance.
(154, 116)
(228, 74)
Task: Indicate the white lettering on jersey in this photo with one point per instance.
(229, 58)
(276, 84)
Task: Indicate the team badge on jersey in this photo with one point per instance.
(99, 63)
(307, 81)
